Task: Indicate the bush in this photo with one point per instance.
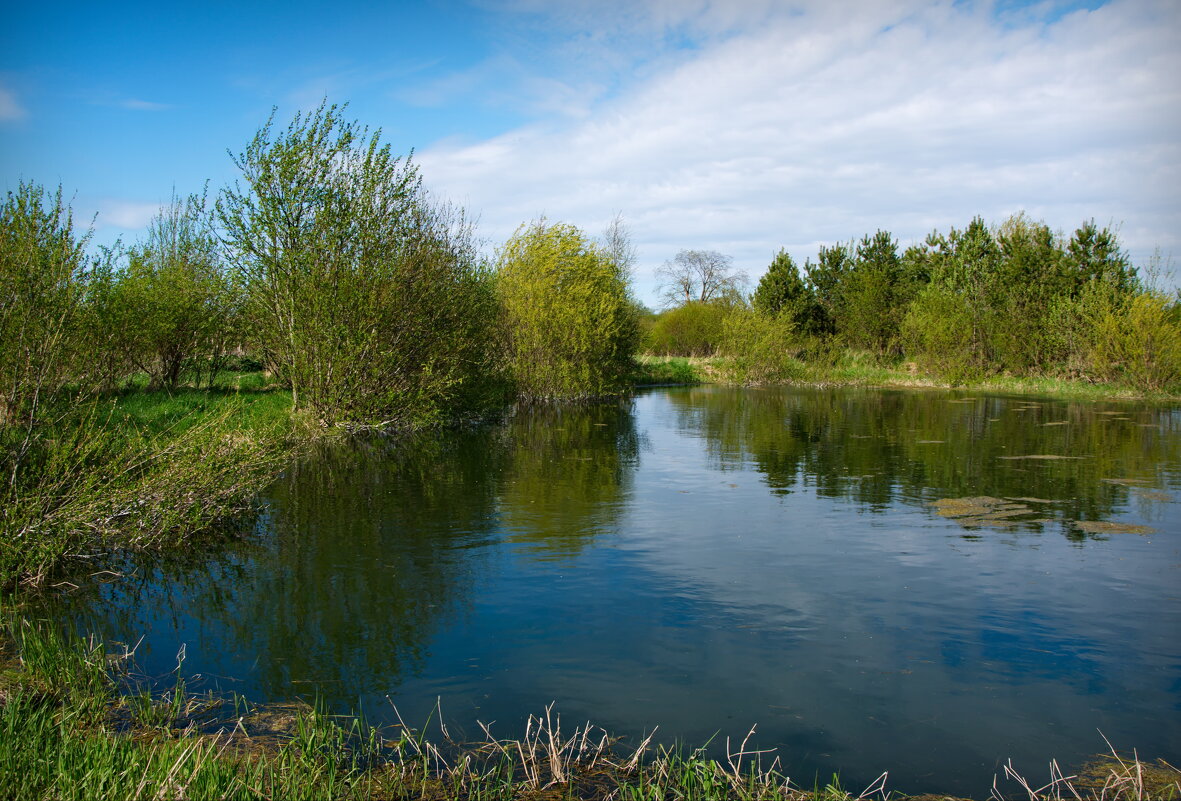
(363, 295)
(693, 329)
(174, 309)
(762, 349)
(939, 334)
(569, 326)
(42, 273)
(1141, 343)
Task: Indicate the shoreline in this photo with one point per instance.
(72, 700)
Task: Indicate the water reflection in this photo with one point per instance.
(1063, 462)
(860, 573)
(569, 476)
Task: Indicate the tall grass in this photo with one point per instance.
(143, 471)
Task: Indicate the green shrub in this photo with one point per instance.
(174, 309)
(1141, 343)
(569, 326)
(692, 329)
(42, 272)
(363, 295)
(939, 334)
(762, 349)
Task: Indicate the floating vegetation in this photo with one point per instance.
(982, 511)
(1031, 500)
(1152, 495)
(1043, 456)
(1111, 527)
(930, 442)
(1126, 482)
(1057, 423)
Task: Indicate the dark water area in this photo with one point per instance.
(879, 580)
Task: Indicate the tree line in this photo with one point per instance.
(1013, 298)
(328, 263)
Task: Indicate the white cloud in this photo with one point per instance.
(125, 214)
(816, 125)
(10, 107)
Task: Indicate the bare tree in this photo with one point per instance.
(701, 275)
(617, 244)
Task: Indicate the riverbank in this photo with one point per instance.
(140, 469)
(76, 722)
(852, 371)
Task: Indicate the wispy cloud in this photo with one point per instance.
(810, 126)
(143, 105)
(126, 214)
(10, 106)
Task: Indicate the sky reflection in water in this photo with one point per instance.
(706, 559)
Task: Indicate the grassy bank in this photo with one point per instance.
(856, 371)
(136, 469)
(75, 724)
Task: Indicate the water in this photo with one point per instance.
(706, 559)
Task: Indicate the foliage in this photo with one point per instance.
(938, 334)
(700, 275)
(873, 296)
(174, 309)
(781, 291)
(665, 370)
(42, 284)
(695, 328)
(363, 295)
(761, 349)
(569, 324)
(1141, 343)
(95, 476)
(824, 280)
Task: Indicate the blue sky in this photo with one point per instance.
(740, 126)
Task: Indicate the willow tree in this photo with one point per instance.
(570, 328)
(364, 295)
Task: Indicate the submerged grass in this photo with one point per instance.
(72, 726)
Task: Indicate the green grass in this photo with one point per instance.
(861, 370)
(667, 370)
(136, 469)
(73, 726)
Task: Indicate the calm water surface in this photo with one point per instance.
(705, 559)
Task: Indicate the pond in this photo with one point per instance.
(928, 583)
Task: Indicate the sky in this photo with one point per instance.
(741, 126)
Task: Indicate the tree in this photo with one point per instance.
(174, 305)
(364, 295)
(871, 304)
(42, 285)
(824, 280)
(1094, 254)
(569, 324)
(780, 289)
(701, 275)
(618, 247)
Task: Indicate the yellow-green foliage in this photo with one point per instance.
(1141, 343)
(569, 326)
(696, 328)
(939, 333)
(761, 348)
(41, 286)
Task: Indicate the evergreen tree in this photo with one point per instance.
(780, 288)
